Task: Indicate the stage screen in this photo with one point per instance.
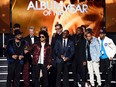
(111, 15)
(70, 13)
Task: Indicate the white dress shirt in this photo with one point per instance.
(66, 40)
(32, 39)
(41, 57)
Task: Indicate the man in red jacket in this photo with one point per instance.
(41, 52)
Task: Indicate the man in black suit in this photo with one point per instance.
(31, 39)
(64, 50)
(56, 36)
(79, 59)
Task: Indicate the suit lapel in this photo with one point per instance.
(67, 45)
(29, 38)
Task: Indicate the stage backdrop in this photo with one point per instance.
(111, 15)
(70, 13)
(4, 16)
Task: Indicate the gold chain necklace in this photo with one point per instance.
(17, 44)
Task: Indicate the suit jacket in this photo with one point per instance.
(55, 37)
(11, 50)
(9, 37)
(68, 51)
(35, 51)
(28, 39)
(80, 48)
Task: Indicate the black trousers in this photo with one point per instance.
(62, 67)
(106, 70)
(79, 72)
(14, 70)
(36, 75)
(52, 76)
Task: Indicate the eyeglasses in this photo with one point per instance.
(41, 37)
(65, 33)
(57, 28)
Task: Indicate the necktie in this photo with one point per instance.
(64, 43)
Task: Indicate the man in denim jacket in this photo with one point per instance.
(92, 55)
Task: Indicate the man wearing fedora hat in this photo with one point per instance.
(15, 52)
(16, 26)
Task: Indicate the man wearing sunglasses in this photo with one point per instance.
(41, 52)
(64, 50)
(56, 36)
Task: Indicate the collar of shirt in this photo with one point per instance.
(65, 41)
(42, 44)
(31, 36)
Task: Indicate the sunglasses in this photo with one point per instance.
(41, 37)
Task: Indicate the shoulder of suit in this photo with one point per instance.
(70, 41)
(58, 40)
(11, 40)
(23, 41)
(35, 36)
(26, 37)
(107, 39)
(54, 35)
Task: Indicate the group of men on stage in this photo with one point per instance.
(81, 51)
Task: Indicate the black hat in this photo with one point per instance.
(16, 32)
(102, 31)
(16, 25)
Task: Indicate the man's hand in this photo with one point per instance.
(84, 63)
(66, 59)
(62, 56)
(14, 56)
(21, 57)
(26, 51)
(49, 66)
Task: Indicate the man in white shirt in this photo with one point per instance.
(31, 38)
(107, 52)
